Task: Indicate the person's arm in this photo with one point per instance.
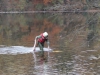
(39, 36)
(34, 43)
(48, 43)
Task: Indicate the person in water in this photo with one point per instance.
(42, 38)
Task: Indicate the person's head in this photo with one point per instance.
(45, 34)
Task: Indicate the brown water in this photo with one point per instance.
(74, 38)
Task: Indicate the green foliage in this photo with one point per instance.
(39, 16)
(22, 20)
(22, 4)
(39, 6)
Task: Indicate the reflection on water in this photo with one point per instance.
(74, 38)
(41, 66)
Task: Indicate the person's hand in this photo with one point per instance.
(34, 49)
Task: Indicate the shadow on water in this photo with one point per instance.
(74, 38)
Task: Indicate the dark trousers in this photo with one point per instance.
(41, 46)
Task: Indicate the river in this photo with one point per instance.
(74, 43)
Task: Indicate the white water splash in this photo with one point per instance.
(19, 49)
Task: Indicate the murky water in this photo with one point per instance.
(74, 40)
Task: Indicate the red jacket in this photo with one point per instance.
(42, 39)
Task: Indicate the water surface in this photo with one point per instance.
(74, 39)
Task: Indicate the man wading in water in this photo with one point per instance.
(42, 38)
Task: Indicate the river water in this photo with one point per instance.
(74, 43)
